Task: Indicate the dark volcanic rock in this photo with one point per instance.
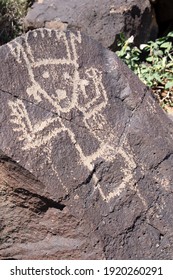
(32, 226)
(100, 19)
(97, 148)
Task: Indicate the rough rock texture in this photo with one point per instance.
(97, 148)
(100, 19)
(32, 226)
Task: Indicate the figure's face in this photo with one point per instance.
(57, 83)
(92, 97)
(65, 88)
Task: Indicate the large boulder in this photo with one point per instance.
(86, 154)
(100, 19)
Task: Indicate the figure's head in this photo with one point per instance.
(58, 81)
(54, 83)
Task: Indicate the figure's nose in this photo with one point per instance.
(61, 94)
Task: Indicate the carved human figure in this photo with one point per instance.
(69, 92)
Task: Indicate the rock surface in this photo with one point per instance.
(100, 19)
(87, 154)
(32, 226)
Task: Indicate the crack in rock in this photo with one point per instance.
(47, 202)
(37, 105)
(164, 159)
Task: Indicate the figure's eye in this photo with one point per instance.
(45, 75)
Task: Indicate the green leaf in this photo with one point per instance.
(159, 53)
(169, 85)
(130, 40)
(166, 45)
(161, 40)
(164, 60)
(170, 34)
(149, 59)
(143, 46)
(127, 56)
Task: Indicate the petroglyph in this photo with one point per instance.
(71, 92)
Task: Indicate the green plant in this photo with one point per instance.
(153, 63)
(11, 14)
(129, 53)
